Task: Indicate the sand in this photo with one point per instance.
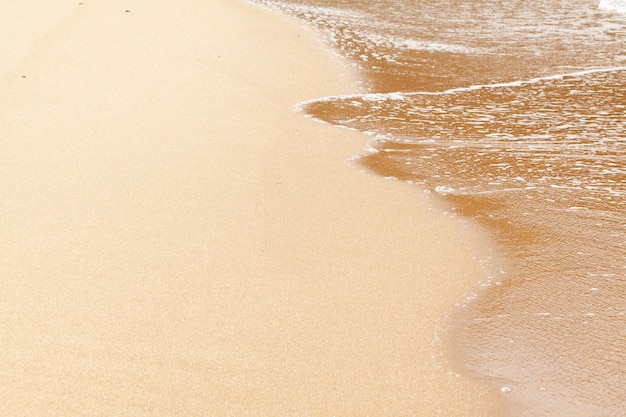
(178, 241)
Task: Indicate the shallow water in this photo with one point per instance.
(514, 112)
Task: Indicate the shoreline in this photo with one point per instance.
(180, 241)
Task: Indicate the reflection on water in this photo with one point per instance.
(515, 113)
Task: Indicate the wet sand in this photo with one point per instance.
(176, 240)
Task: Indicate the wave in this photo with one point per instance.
(400, 95)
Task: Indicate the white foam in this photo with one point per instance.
(614, 5)
(432, 46)
(383, 96)
(398, 95)
(520, 83)
(444, 189)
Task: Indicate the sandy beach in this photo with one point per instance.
(178, 241)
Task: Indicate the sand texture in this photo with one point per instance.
(177, 241)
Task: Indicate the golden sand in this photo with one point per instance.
(177, 241)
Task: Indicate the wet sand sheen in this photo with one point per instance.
(177, 241)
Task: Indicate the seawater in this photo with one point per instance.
(514, 113)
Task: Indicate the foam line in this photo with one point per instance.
(399, 95)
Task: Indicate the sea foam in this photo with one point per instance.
(615, 5)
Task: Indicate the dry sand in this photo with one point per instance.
(177, 241)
